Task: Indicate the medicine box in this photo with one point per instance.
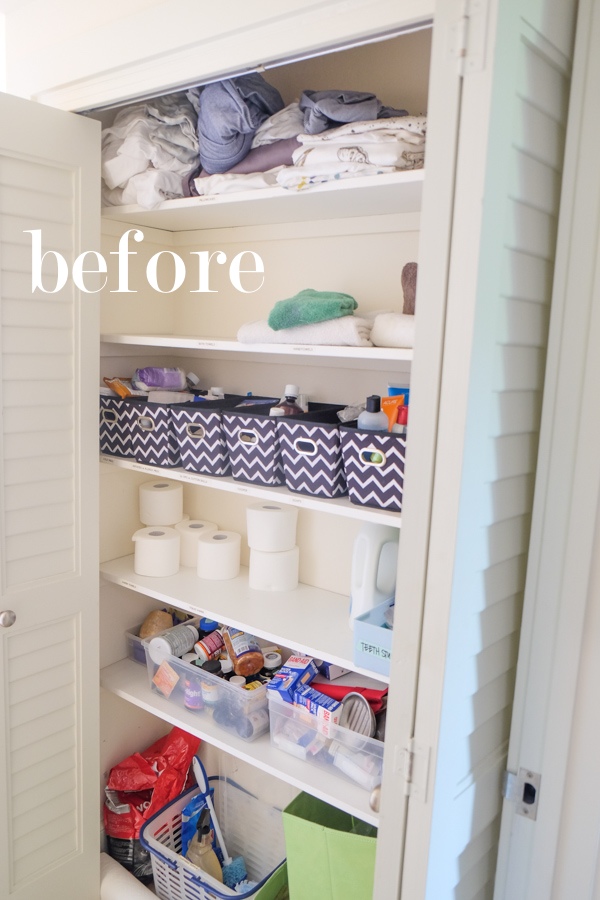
(239, 710)
(329, 746)
(373, 640)
(298, 670)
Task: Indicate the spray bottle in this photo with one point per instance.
(200, 852)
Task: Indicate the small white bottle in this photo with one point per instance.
(373, 418)
(175, 642)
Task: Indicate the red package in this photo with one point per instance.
(377, 698)
(147, 781)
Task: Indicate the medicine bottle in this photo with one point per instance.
(289, 403)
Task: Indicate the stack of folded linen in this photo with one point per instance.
(325, 135)
(311, 317)
(148, 151)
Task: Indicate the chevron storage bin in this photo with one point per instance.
(199, 431)
(253, 443)
(374, 467)
(153, 438)
(311, 454)
(116, 425)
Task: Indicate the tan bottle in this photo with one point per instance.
(200, 852)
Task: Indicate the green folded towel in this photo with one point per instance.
(310, 306)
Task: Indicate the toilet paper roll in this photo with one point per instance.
(116, 882)
(161, 503)
(271, 527)
(219, 555)
(274, 571)
(156, 551)
(189, 532)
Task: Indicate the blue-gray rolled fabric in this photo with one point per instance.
(326, 109)
(229, 113)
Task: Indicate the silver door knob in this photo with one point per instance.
(375, 798)
(7, 618)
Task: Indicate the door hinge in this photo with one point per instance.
(523, 789)
(413, 764)
(468, 37)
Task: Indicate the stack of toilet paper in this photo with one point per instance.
(158, 546)
(274, 555)
(171, 538)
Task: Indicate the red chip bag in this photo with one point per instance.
(142, 784)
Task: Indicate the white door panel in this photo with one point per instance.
(48, 527)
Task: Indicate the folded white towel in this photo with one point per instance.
(347, 331)
(393, 330)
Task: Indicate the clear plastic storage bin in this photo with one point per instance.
(236, 709)
(342, 752)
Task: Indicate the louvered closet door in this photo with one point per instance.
(49, 819)
(514, 109)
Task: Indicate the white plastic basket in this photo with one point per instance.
(251, 828)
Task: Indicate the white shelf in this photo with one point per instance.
(338, 506)
(308, 619)
(380, 358)
(129, 680)
(398, 192)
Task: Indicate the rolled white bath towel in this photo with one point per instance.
(347, 331)
(393, 330)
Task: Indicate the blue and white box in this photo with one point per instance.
(373, 640)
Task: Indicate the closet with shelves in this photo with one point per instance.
(475, 377)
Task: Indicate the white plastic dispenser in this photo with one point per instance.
(374, 564)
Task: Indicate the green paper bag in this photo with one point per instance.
(324, 859)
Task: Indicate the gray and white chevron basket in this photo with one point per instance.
(312, 455)
(116, 424)
(154, 441)
(200, 436)
(253, 445)
(374, 466)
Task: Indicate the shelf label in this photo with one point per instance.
(304, 348)
(241, 490)
(128, 584)
(140, 467)
(207, 344)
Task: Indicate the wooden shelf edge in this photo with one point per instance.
(129, 681)
(335, 506)
(309, 620)
(219, 345)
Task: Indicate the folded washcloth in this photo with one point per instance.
(393, 330)
(310, 306)
(348, 331)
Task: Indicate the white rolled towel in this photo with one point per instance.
(346, 331)
(393, 330)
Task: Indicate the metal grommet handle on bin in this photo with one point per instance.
(108, 415)
(305, 447)
(146, 423)
(7, 618)
(195, 431)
